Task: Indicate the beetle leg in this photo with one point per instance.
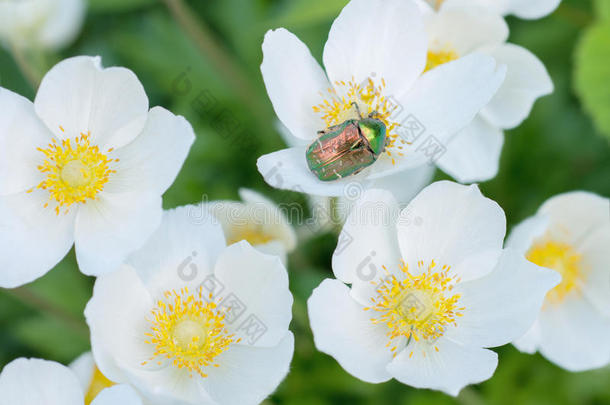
(374, 114)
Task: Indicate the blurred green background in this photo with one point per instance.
(559, 148)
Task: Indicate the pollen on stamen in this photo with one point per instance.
(188, 331)
(75, 171)
(418, 307)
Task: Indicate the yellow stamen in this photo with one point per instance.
(418, 307)
(337, 106)
(562, 258)
(188, 331)
(98, 383)
(75, 170)
(437, 58)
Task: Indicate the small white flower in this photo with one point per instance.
(257, 220)
(85, 165)
(526, 9)
(570, 234)
(431, 289)
(188, 319)
(51, 24)
(375, 56)
(41, 382)
(457, 31)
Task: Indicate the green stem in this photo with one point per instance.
(30, 74)
(39, 303)
(223, 62)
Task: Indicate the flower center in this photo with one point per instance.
(562, 258)
(98, 383)
(254, 234)
(189, 331)
(337, 107)
(440, 57)
(418, 307)
(75, 171)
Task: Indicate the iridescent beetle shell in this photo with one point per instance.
(346, 149)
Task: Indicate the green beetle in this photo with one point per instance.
(346, 149)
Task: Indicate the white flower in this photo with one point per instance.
(570, 234)
(457, 31)
(85, 164)
(41, 382)
(190, 320)
(527, 9)
(51, 24)
(375, 56)
(431, 289)
(258, 221)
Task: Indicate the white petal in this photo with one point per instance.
(181, 253)
(449, 369)
(380, 39)
(83, 368)
(21, 133)
(523, 235)
(597, 275)
(474, 153)
(526, 80)
(33, 239)
(63, 24)
(528, 9)
(34, 381)
(294, 80)
(367, 248)
(444, 101)
(503, 305)
(152, 161)
(255, 295)
(247, 375)
(459, 227)
(531, 9)
(528, 343)
(343, 330)
(287, 169)
(113, 226)
(79, 95)
(406, 184)
(117, 317)
(465, 30)
(575, 336)
(118, 394)
(574, 216)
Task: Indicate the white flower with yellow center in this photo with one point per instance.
(571, 235)
(456, 32)
(51, 24)
(526, 9)
(41, 382)
(374, 58)
(431, 289)
(85, 165)
(190, 320)
(258, 221)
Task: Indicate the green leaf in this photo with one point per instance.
(109, 6)
(309, 12)
(602, 9)
(592, 74)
